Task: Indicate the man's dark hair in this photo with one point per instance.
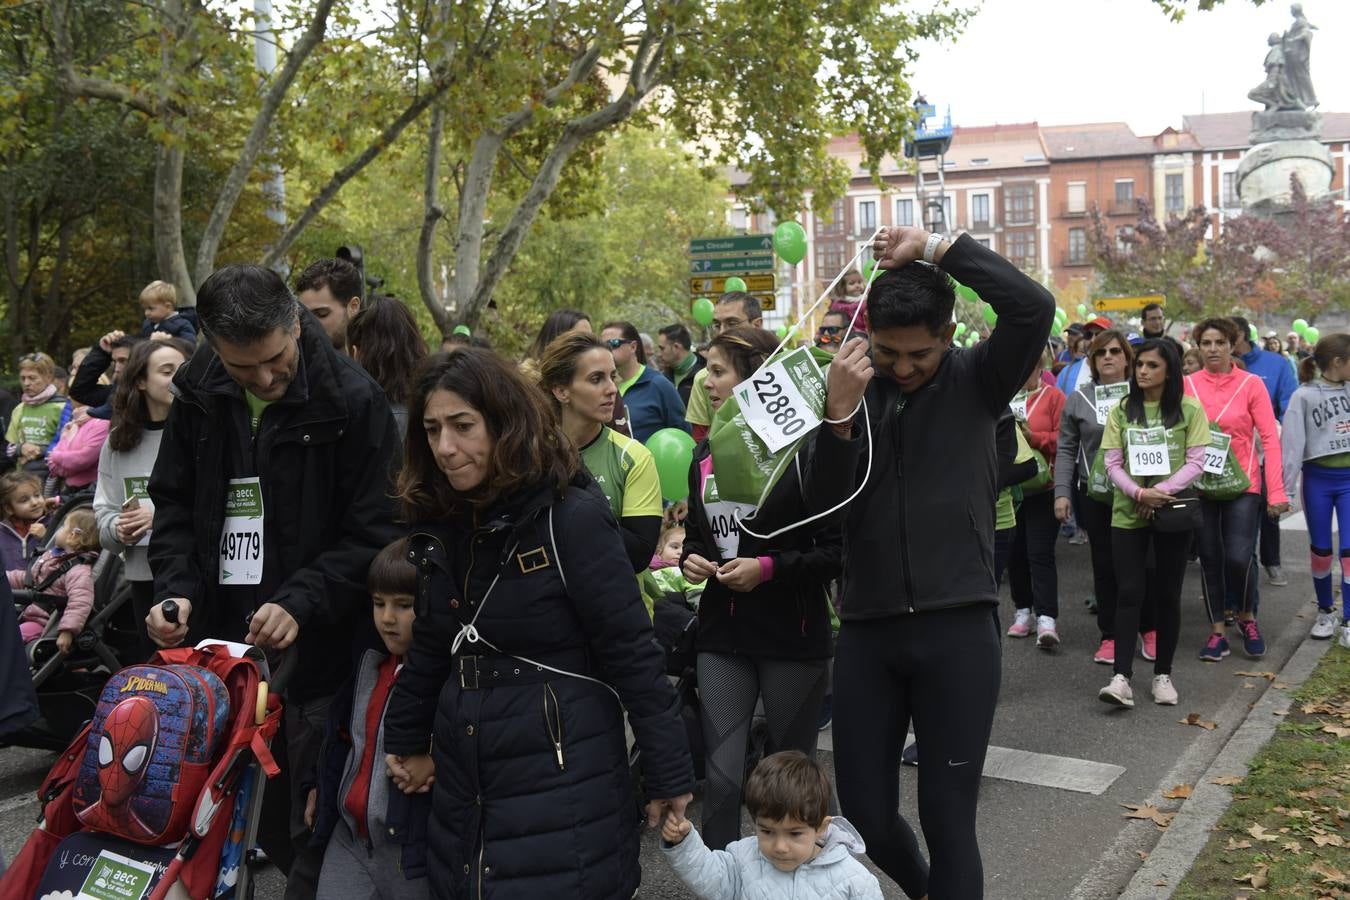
(126, 340)
(245, 303)
(1244, 329)
(750, 303)
(560, 321)
(916, 294)
(1150, 308)
(342, 279)
(630, 333)
(677, 334)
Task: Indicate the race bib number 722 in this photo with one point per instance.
(241, 540)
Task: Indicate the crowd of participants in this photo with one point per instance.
(489, 540)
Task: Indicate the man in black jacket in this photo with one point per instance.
(920, 638)
(272, 495)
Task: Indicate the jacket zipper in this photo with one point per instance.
(900, 405)
(555, 734)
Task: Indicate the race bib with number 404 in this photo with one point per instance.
(782, 401)
(724, 519)
(1147, 452)
(241, 540)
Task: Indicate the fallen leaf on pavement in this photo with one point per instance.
(1235, 844)
(1281, 712)
(1339, 730)
(1256, 879)
(1269, 676)
(1330, 875)
(1249, 685)
(1280, 686)
(1328, 840)
(1194, 719)
(1143, 854)
(1179, 792)
(1226, 779)
(1150, 812)
(1293, 847)
(1261, 834)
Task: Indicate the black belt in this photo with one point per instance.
(478, 672)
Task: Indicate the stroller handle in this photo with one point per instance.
(170, 610)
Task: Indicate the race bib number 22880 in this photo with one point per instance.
(241, 540)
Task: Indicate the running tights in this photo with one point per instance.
(940, 671)
(1129, 555)
(1327, 491)
(728, 689)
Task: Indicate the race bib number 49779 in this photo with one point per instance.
(241, 540)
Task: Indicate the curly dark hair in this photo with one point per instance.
(386, 341)
(529, 446)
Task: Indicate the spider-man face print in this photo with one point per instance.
(125, 748)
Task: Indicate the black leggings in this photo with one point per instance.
(939, 669)
(1129, 547)
(1031, 567)
(728, 687)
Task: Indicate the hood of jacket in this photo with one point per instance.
(841, 840)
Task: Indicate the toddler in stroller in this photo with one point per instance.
(63, 573)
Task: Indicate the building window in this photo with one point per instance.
(867, 216)
(829, 258)
(1125, 193)
(1077, 200)
(904, 212)
(979, 212)
(983, 242)
(835, 225)
(938, 216)
(1019, 204)
(1230, 197)
(1022, 248)
(1077, 246)
(739, 219)
(1174, 197)
(1124, 239)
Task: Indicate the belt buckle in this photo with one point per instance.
(468, 680)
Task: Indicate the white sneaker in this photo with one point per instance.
(1164, 692)
(1117, 693)
(1046, 636)
(1343, 636)
(1325, 626)
(1021, 626)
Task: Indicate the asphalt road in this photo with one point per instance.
(1037, 841)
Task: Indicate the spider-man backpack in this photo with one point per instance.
(151, 742)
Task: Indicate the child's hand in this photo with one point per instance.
(311, 802)
(38, 530)
(64, 640)
(412, 774)
(673, 832)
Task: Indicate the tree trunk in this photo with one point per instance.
(432, 214)
(169, 253)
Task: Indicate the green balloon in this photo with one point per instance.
(1082, 310)
(1254, 335)
(990, 317)
(1061, 319)
(781, 331)
(869, 267)
(960, 329)
(1311, 335)
(735, 283)
(1300, 326)
(789, 242)
(702, 311)
(672, 450)
(965, 293)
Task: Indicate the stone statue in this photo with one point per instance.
(1297, 45)
(1288, 84)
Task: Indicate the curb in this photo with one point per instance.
(1175, 853)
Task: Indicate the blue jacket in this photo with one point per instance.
(1068, 376)
(653, 404)
(176, 325)
(1279, 378)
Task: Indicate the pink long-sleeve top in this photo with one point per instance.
(1180, 480)
(1238, 403)
(75, 457)
(1044, 409)
(76, 585)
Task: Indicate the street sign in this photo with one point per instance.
(717, 284)
(1118, 304)
(742, 243)
(739, 263)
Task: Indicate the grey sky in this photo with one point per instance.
(1068, 61)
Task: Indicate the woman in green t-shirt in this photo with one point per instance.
(1154, 445)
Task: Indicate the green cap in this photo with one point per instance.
(464, 330)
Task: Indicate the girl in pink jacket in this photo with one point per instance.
(66, 570)
(75, 456)
(1239, 411)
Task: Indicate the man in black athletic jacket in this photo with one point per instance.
(920, 637)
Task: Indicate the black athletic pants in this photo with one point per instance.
(939, 670)
(1129, 548)
(1031, 567)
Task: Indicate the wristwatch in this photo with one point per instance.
(930, 248)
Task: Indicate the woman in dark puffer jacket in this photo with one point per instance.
(529, 633)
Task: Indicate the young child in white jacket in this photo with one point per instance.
(798, 849)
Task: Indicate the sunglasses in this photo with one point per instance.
(1109, 351)
(829, 329)
(616, 343)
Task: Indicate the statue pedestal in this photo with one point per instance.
(1263, 174)
(1285, 125)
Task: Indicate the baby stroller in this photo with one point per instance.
(68, 686)
(160, 796)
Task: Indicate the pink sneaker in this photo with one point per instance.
(1148, 645)
(1021, 626)
(1106, 653)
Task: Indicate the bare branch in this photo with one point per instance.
(82, 85)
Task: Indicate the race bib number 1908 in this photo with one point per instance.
(1147, 449)
(241, 540)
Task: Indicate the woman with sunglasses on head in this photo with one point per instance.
(1154, 444)
(1238, 406)
(1109, 359)
(764, 625)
